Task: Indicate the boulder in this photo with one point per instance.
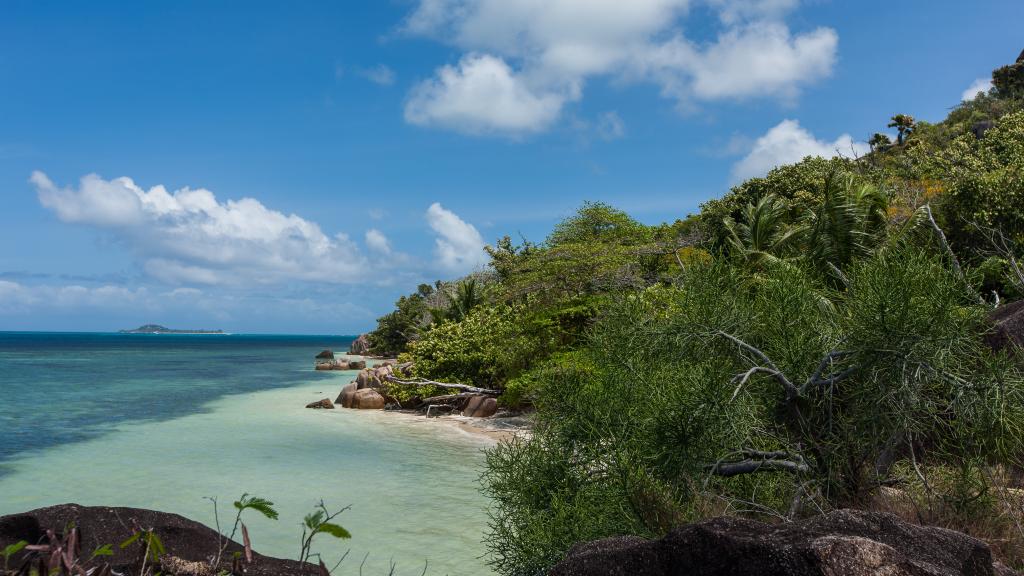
(368, 379)
(360, 346)
(346, 396)
(1007, 327)
(367, 399)
(480, 406)
(840, 543)
(325, 403)
(325, 355)
(99, 525)
(324, 366)
(356, 364)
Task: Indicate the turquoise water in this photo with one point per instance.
(164, 421)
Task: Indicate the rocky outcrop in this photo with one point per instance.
(480, 406)
(346, 396)
(367, 399)
(1007, 327)
(360, 346)
(356, 364)
(325, 355)
(321, 404)
(840, 543)
(183, 539)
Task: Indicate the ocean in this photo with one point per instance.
(166, 421)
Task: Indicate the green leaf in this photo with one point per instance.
(334, 530)
(314, 519)
(13, 549)
(261, 505)
(156, 547)
(105, 550)
(131, 540)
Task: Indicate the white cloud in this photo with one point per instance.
(481, 95)
(459, 246)
(189, 236)
(788, 142)
(532, 57)
(377, 241)
(379, 74)
(979, 85)
(732, 11)
(757, 60)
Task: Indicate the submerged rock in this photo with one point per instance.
(319, 404)
(840, 543)
(183, 539)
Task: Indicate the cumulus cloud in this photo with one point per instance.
(19, 298)
(532, 57)
(459, 246)
(377, 241)
(189, 236)
(481, 95)
(979, 85)
(789, 142)
(379, 74)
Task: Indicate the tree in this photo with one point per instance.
(904, 124)
(879, 142)
(763, 234)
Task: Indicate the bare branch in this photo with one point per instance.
(750, 466)
(792, 391)
(425, 382)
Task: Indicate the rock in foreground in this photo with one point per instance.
(184, 539)
(841, 543)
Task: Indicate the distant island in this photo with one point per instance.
(158, 329)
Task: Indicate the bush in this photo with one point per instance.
(661, 426)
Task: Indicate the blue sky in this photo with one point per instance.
(318, 159)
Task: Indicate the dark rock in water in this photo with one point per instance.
(840, 543)
(325, 355)
(99, 525)
(356, 364)
(360, 346)
(1008, 327)
(325, 403)
(480, 406)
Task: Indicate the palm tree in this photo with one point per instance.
(464, 298)
(763, 235)
(847, 224)
(904, 124)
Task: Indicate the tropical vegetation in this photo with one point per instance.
(813, 339)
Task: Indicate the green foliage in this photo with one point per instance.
(11, 550)
(524, 389)
(1008, 81)
(628, 444)
(403, 325)
(105, 550)
(800, 185)
(598, 223)
(488, 346)
(985, 184)
(261, 505)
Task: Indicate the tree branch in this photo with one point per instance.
(750, 466)
(792, 391)
(425, 382)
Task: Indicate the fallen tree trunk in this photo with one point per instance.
(425, 382)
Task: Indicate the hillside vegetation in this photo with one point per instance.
(813, 339)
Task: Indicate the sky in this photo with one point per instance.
(294, 167)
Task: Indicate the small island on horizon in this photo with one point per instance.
(158, 329)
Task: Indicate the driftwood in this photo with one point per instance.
(425, 382)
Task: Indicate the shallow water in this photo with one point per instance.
(168, 437)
